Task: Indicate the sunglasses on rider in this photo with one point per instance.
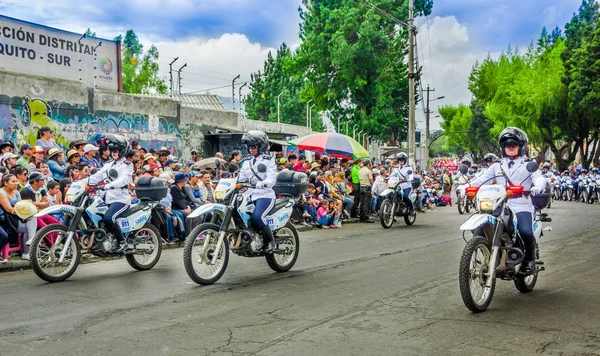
(252, 146)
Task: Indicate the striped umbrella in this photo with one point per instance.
(332, 144)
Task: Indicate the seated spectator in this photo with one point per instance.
(89, 156)
(9, 159)
(379, 186)
(206, 190)
(192, 190)
(73, 157)
(12, 223)
(21, 174)
(36, 157)
(35, 191)
(180, 202)
(292, 160)
(54, 193)
(26, 155)
(299, 166)
(55, 163)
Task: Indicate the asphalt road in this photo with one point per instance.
(359, 290)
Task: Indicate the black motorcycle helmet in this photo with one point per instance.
(584, 171)
(546, 166)
(402, 157)
(117, 143)
(466, 162)
(490, 157)
(513, 135)
(473, 169)
(256, 138)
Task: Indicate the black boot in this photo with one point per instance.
(121, 241)
(528, 267)
(268, 239)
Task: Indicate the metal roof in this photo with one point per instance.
(202, 101)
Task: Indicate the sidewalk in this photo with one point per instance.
(15, 263)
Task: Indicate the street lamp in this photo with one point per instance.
(354, 131)
(358, 136)
(278, 96)
(310, 115)
(363, 140)
(347, 122)
(308, 102)
(338, 131)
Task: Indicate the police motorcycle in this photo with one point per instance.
(567, 189)
(464, 202)
(206, 251)
(56, 249)
(584, 196)
(496, 250)
(556, 188)
(394, 206)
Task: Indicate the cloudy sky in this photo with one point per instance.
(222, 38)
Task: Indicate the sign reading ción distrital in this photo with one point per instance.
(35, 49)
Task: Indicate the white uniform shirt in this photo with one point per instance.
(517, 174)
(269, 177)
(117, 195)
(401, 172)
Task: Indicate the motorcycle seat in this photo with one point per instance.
(279, 204)
(132, 210)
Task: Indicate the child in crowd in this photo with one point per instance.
(323, 214)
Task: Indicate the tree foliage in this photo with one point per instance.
(550, 91)
(139, 68)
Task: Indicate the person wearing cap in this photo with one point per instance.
(35, 191)
(192, 190)
(79, 145)
(26, 155)
(89, 156)
(37, 156)
(169, 166)
(9, 159)
(281, 164)
(163, 156)
(17, 220)
(45, 140)
(180, 201)
(55, 163)
(7, 146)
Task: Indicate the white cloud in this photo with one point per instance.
(212, 62)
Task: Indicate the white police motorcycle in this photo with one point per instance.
(206, 251)
(56, 248)
(496, 249)
(393, 205)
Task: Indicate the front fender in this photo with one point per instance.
(476, 221)
(208, 208)
(55, 209)
(386, 192)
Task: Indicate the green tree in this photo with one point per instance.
(139, 68)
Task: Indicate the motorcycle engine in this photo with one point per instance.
(107, 244)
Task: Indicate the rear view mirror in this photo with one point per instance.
(113, 174)
(463, 169)
(409, 172)
(262, 168)
(532, 166)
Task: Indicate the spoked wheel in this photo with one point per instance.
(148, 250)
(46, 249)
(198, 253)
(288, 248)
(525, 284)
(410, 218)
(467, 205)
(386, 214)
(473, 273)
(459, 204)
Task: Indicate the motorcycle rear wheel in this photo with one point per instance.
(474, 264)
(459, 204)
(44, 254)
(141, 260)
(386, 214)
(283, 261)
(525, 284)
(195, 255)
(410, 218)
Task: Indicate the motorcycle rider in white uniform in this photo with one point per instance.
(513, 142)
(593, 177)
(488, 160)
(117, 192)
(402, 172)
(263, 196)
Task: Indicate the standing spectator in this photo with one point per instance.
(234, 164)
(292, 160)
(45, 140)
(26, 155)
(89, 156)
(219, 155)
(194, 154)
(55, 159)
(447, 181)
(355, 188)
(366, 183)
(37, 157)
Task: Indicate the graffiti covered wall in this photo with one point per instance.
(22, 116)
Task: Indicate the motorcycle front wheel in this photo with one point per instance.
(198, 253)
(45, 251)
(288, 248)
(145, 260)
(459, 204)
(386, 214)
(473, 273)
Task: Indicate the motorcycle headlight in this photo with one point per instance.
(69, 198)
(219, 195)
(486, 205)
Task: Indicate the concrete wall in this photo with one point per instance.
(75, 111)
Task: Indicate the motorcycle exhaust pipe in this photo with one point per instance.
(514, 256)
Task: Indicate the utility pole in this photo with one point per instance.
(338, 131)
(233, 91)
(427, 118)
(179, 77)
(278, 104)
(411, 83)
(307, 113)
(240, 95)
(310, 115)
(171, 76)
(347, 122)
(354, 131)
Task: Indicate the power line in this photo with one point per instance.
(207, 89)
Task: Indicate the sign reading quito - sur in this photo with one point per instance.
(34, 49)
